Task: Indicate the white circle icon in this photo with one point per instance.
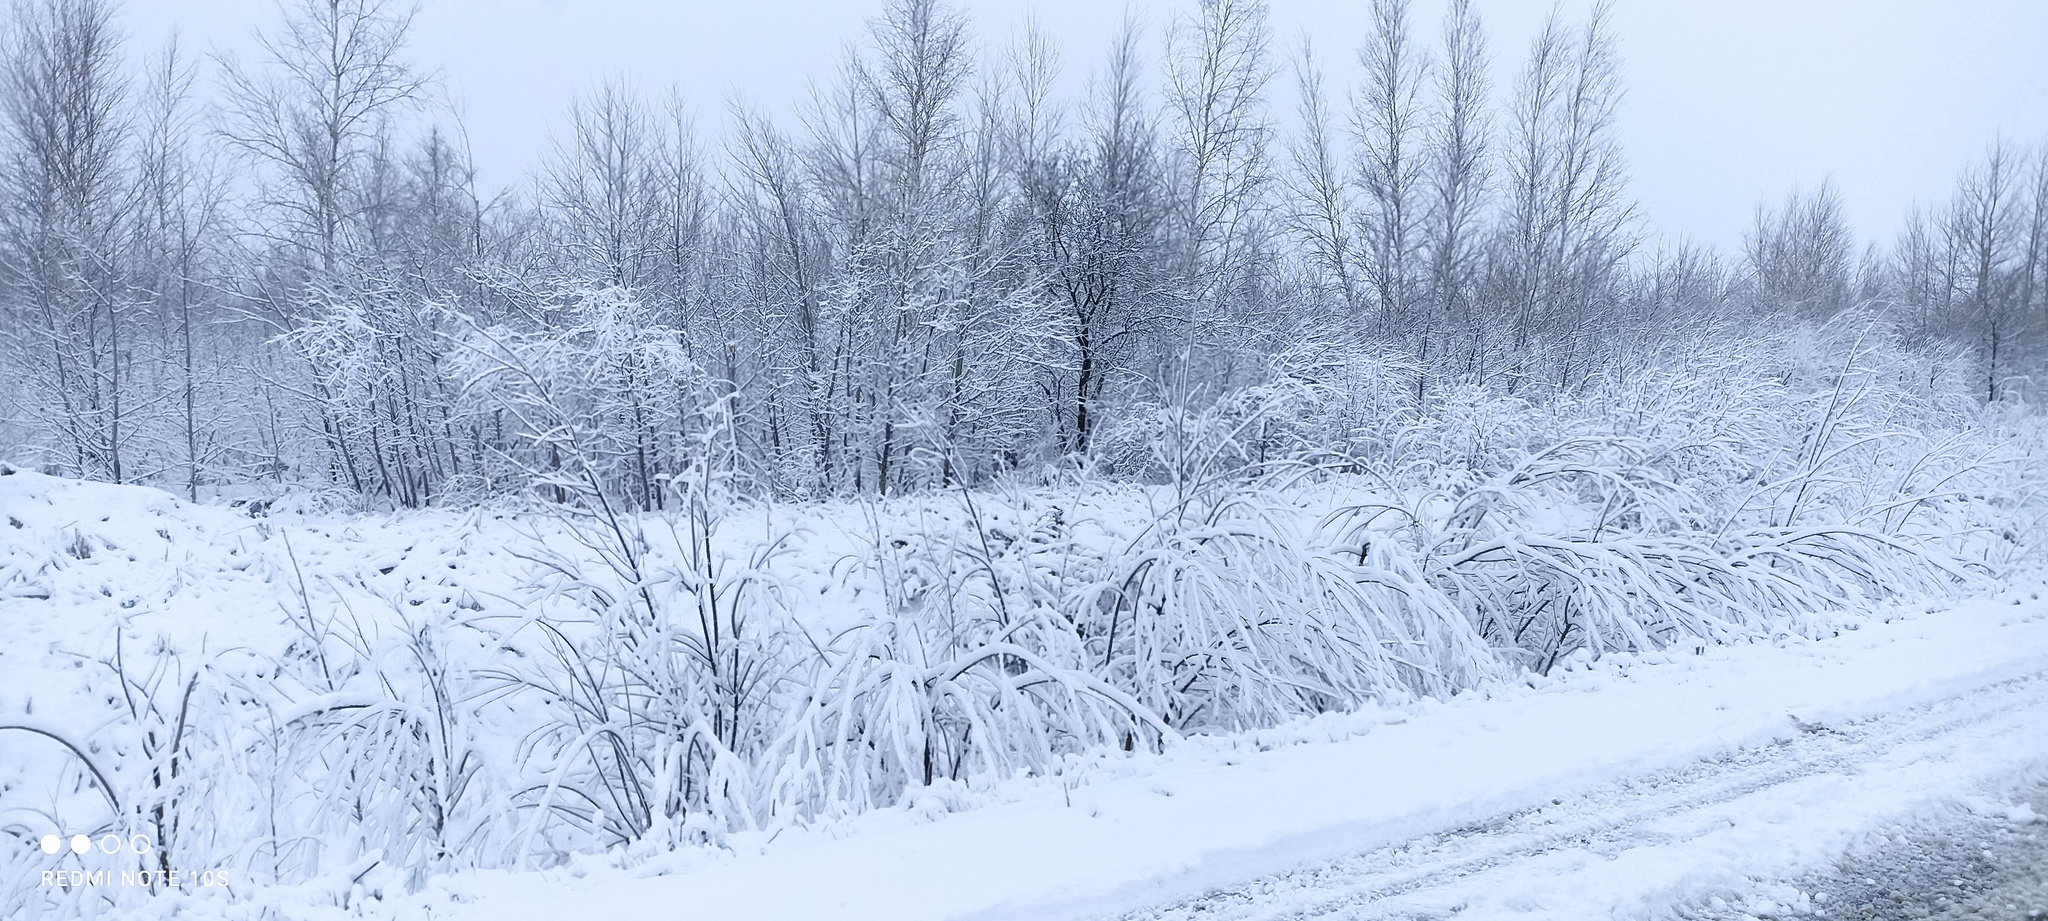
(109, 844)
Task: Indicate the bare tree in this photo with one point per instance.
(785, 289)
(683, 217)
(1801, 258)
(1686, 286)
(2032, 297)
(1595, 216)
(913, 88)
(178, 219)
(1390, 124)
(1216, 70)
(1035, 120)
(1457, 177)
(1528, 228)
(1323, 215)
(1985, 229)
(1097, 212)
(1918, 283)
(333, 77)
(316, 119)
(62, 101)
(603, 186)
(1567, 225)
(846, 198)
(922, 64)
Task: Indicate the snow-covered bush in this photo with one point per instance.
(632, 674)
(608, 400)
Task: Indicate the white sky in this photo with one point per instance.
(1729, 101)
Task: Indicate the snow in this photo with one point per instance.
(1098, 833)
(979, 514)
(1222, 811)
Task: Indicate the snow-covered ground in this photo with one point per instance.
(1984, 858)
(1619, 787)
(1611, 791)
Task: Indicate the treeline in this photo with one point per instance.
(219, 273)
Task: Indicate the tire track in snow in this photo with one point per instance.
(1610, 819)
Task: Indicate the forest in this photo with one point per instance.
(938, 275)
(946, 429)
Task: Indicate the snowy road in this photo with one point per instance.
(1616, 838)
(1984, 860)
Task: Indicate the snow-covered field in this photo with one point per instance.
(272, 683)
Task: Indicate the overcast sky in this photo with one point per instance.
(1729, 101)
